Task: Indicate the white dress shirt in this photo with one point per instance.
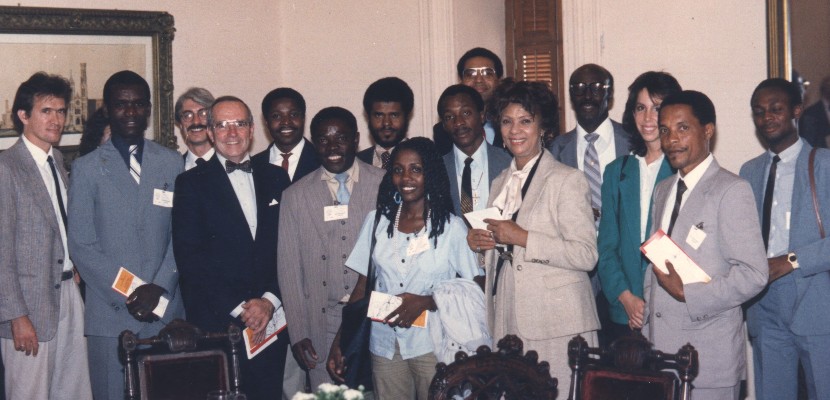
(479, 176)
(605, 145)
(243, 186)
(275, 157)
(691, 179)
(648, 177)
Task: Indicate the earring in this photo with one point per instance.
(397, 198)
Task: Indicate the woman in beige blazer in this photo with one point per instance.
(546, 240)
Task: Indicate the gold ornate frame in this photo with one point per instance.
(779, 51)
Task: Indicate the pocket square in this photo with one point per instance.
(273, 203)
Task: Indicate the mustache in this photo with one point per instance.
(194, 127)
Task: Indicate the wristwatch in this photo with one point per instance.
(793, 259)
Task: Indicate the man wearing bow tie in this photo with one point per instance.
(225, 218)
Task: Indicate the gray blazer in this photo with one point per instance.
(552, 292)
(563, 147)
(732, 254)
(311, 254)
(31, 249)
(497, 160)
(113, 223)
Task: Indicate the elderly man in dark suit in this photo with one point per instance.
(703, 208)
(316, 282)
(225, 218)
(119, 216)
(284, 112)
(41, 311)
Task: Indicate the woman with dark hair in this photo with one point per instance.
(539, 252)
(96, 132)
(626, 203)
(420, 244)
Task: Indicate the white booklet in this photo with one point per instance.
(476, 218)
(274, 327)
(660, 247)
(125, 283)
(382, 304)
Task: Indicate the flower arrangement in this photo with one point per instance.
(328, 391)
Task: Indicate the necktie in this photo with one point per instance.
(592, 172)
(135, 167)
(681, 188)
(384, 159)
(285, 160)
(342, 191)
(467, 187)
(765, 225)
(244, 166)
(200, 161)
(57, 189)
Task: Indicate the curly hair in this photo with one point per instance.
(658, 85)
(535, 97)
(436, 185)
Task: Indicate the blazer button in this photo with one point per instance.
(658, 315)
(324, 256)
(344, 256)
(58, 286)
(324, 283)
(343, 237)
(342, 222)
(347, 287)
(60, 261)
(324, 310)
(117, 308)
(345, 272)
(518, 268)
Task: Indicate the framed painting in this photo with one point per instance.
(87, 46)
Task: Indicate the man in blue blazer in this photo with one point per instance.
(225, 219)
(119, 216)
(461, 111)
(790, 321)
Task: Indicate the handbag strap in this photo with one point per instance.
(813, 191)
(370, 270)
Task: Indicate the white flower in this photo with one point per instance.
(304, 396)
(328, 388)
(351, 394)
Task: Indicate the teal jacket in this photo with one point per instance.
(621, 265)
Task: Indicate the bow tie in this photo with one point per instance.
(244, 166)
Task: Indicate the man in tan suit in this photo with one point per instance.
(41, 311)
(315, 239)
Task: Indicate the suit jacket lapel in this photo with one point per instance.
(321, 198)
(449, 163)
(630, 195)
(219, 181)
(534, 190)
(693, 206)
(569, 153)
(31, 173)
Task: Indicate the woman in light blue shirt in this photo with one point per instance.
(420, 243)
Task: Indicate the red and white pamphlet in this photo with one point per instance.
(660, 247)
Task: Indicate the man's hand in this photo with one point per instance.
(336, 364)
(634, 307)
(256, 315)
(778, 267)
(670, 282)
(25, 337)
(507, 232)
(480, 240)
(409, 310)
(305, 354)
(143, 300)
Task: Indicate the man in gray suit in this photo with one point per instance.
(790, 322)
(473, 163)
(119, 216)
(318, 228)
(41, 311)
(704, 210)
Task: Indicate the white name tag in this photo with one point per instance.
(418, 245)
(696, 237)
(162, 198)
(334, 213)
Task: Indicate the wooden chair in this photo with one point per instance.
(506, 374)
(177, 364)
(630, 369)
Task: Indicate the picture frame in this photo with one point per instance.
(87, 46)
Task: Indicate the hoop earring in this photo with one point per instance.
(397, 198)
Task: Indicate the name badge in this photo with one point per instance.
(418, 245)
(334, 213)
(162, 198)
(696, 237)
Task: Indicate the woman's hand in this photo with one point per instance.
(409, 310)
(507, 232)
(634, 307)
(480, 240)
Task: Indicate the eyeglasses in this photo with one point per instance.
(188, 115)
(580, 88)
(484, 72)
(222, 126)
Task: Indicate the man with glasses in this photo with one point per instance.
(225, 216)
(119, 217)
(480, 69)
(191, 118)
(594, 143)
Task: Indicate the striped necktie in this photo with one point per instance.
(135, 167)
(592, 172)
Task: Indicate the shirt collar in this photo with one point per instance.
(124, 148)
(790, 153)
(276, 153)
(353, 171)
(480, 156)
(192, 157)
(605, 130)
(693, 177)
(38, 154)
(222, 159)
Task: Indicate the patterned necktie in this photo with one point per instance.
(342, 191)
(592, 172)
(765, 225)
(467, 187)
(135, 166)
(384, 159)
(244, 166)
(57, 189)
(678, 199)
(285, 160)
